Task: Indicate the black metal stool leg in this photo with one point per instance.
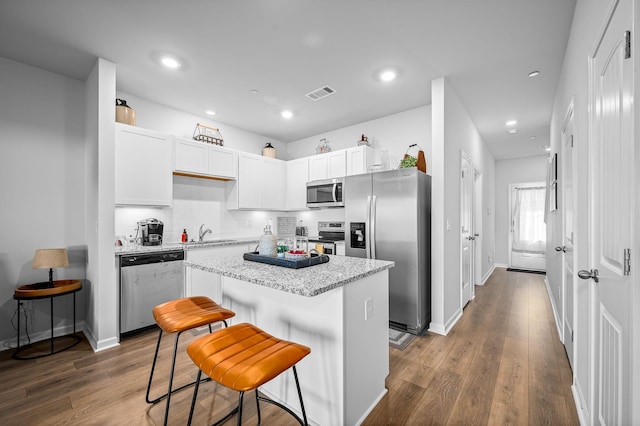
(258, 406)
(240, 409)
(173, 367)
(153, 367)
(195, 395)
(304, 414)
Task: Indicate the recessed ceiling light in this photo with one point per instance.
(170, 62)
(388, 75)
(254, 92)
(210, 112)
(532, 137)
(286, 114)
(534, 73)
(511, 123)
(513, 131)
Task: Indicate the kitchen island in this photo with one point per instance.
(340, 309)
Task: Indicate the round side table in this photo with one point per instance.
(43, 291)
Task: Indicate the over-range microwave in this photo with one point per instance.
(327, 193)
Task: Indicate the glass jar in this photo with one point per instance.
(268, 244)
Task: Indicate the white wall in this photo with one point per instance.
(517, 170)
(41, 187)
(393, 133)
(453, 133)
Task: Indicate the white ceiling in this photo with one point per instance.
(287, 48)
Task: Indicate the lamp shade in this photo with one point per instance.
(50, 258)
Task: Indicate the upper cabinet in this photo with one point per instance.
(260, 183)
(297, 176)
(201, 159)
(328, 166)
(359, 159)
(144, 163)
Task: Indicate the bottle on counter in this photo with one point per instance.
(268, 244)
(185, 237)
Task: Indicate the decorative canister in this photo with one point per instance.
(124, 113)
(269, 151)
(268, 244)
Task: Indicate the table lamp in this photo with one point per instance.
(50, 258)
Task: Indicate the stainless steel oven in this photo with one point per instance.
(330, 236)
(326, 193)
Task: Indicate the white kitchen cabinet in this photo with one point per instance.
(336, 164)
(199, 158)
(327, 166)
(317, 167)
(296, 177)
(144, 162)
(359, 159)
(260, 183)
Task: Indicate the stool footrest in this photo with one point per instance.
(163, 396)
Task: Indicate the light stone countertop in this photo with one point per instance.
(309, 281)
(119, 251)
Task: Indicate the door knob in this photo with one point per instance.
(471, 238)
(562, 249)
(586, 275)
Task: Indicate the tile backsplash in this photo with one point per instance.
(202, 201)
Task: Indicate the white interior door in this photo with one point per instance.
(527, 233)
(567, 236)
(466, 231)
(610, 226)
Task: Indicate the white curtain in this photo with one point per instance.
(529, 229)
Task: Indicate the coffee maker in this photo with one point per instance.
(150, 231)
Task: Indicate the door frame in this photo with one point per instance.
(513, 186)
(570, 118)
(465, 157)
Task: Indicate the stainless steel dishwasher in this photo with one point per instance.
(146, 280)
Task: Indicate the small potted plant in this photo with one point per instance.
(282, 249)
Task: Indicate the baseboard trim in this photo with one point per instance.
(63, 330)
(583, 414)
(488, 274)
(554, 309)
(100, 345)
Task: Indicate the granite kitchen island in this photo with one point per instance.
(340, 309)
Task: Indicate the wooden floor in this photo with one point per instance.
(501, 364)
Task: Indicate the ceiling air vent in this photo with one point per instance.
(320, 93)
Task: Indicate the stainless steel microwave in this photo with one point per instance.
(326, 193)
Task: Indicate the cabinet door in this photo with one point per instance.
(272, 184)
(144, 162)
(337, 164)
(191, 156)
(222, 162)
(249, 181)
(318, 167)
(297, 175)
(358, 160)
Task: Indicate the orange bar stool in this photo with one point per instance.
(177, 316)
(243, 358)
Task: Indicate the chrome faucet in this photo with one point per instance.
(202, 233)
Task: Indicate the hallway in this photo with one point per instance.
(502, 363)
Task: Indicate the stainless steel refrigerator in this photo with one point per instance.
(388, 216)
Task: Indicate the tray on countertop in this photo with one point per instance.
(315, 259)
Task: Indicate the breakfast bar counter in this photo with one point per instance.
(340, 309)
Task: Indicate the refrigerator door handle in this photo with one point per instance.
(367, 225)
(372, 236)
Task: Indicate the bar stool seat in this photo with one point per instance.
(177, 316)
(243, 357)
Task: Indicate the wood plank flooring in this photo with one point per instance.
(501, 364)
